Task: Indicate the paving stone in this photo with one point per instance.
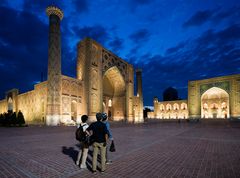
(153, 149)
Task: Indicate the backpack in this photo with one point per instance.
(80, 134)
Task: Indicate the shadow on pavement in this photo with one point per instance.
(71, 152)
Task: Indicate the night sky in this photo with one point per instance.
(173, 41)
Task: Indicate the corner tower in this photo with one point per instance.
(54, 85)
(139, 113)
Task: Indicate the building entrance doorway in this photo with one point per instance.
(114, 90)
(215, 103)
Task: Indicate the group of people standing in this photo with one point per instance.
(100, 135)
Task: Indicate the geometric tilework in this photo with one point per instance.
(109, 60)
(54, 67)
(225, 85)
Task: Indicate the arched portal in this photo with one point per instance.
(215, 103)
(114, 93)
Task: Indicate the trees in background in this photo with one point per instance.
(145, 111)
(12, 119)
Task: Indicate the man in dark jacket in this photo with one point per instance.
(99, 135)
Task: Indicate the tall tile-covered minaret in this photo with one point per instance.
(139, 95)
(54, 85)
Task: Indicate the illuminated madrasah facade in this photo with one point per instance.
(210, 98)
(104, 83)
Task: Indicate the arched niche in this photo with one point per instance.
(215, 103)
(114, 92)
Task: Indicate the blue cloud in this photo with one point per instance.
(134, 4)
(20, 51)
(116, 44)
(199, 18)
(231, 13)
(97, 32)
(12, 20)
(38, 7)
(81, 5)
(141, 35)
(213, 16)
(141, 2)
(176, 48)
(3, 2)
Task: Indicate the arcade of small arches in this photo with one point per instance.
(174, 111)
(169, 110)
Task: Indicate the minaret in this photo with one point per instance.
(155, 104)
(54, 84)
(139, 94)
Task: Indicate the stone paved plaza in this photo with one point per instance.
(153, 149)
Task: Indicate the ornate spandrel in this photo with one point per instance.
(109, 60)
(223, 85)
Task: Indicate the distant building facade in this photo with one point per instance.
(217, 97)
(169, 109)
(104, 83)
